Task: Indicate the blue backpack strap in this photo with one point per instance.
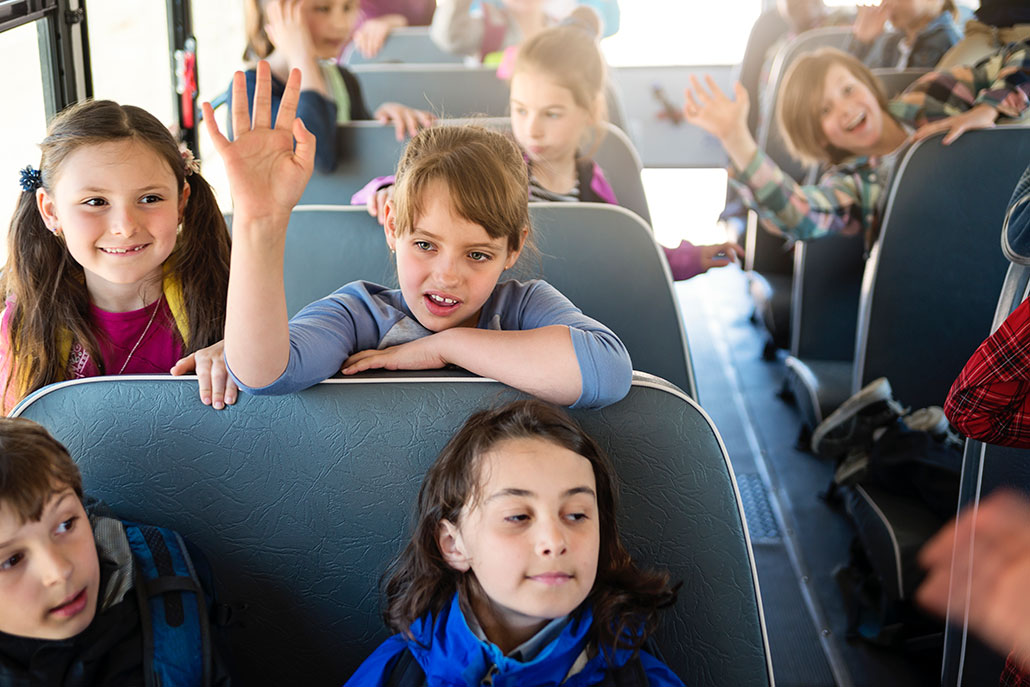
(173, 609)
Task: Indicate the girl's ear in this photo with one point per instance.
(182, 201)
(390, 225)
(452, 548)
(513, 257)
(47, 210)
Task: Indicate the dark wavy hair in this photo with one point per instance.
(625, 599)
(48, 287)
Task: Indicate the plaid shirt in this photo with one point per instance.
(847, 198)
(990, 400)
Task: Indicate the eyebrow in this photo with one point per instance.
(430, 235)
(555, 106)
(511, 491)
(145, 189)
(4, 545)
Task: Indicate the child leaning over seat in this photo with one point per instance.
(515, 573)
(459, 219)
(72, 605)
(833, 110)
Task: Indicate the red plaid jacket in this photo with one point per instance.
(1012, 676)
(990, 400)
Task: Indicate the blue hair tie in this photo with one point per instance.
(31, 179)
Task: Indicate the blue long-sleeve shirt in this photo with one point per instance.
(361, 316)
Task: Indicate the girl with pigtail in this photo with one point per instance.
(118, 259)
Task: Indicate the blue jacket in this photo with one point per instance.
(451, 655)
(933, 41)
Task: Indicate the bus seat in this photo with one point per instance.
(768, 256)
(405, 45)
(932, 278)
(581, 246)
(366, 150)
(451, 90)
(985, 467)
(300, 501)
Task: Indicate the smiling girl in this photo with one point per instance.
(515, 573)
(118, 259)
(848, 124)
(459, 218)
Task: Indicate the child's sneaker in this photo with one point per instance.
(933, 421)
(853, 423)
(852, 469)
(930, 419)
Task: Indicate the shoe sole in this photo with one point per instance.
(877, 391)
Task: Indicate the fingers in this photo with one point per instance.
(217, 139)
(714, 87)
(223, 389)
(240, 105)
(288, 103)
(262, 97)
(425, 119)
(184, 365)
(305, 148)
(365, 360)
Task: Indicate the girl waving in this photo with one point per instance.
(459, 218)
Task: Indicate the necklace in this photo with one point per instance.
(157, 306)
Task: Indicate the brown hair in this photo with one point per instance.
(798, 110)
(258, 44)
(33, 467)
(624, 599)
(569, 53)
(48, 287)
(485, 176)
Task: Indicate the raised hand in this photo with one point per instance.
(405, 120)
(725, 119)
(267, 175)
(713, 110)
(288, 32)
(869, 22)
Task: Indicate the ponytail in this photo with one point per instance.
(200, 262)
(45, 290)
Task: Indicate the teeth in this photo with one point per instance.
(120, 251)
(442, 300)
(859, 118)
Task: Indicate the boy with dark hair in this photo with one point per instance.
(78, 599)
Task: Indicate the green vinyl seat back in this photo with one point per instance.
(300, 502)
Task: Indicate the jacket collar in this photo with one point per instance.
(449, 652)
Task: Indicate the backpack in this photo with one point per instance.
(406, 672)
(173, 608)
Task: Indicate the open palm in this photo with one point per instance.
(267, 174)
(713, 111)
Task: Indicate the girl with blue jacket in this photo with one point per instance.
(515, 573)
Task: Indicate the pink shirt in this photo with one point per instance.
(119, 332)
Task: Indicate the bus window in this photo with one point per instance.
(25, 124)
(136, 72)
(218, 27)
